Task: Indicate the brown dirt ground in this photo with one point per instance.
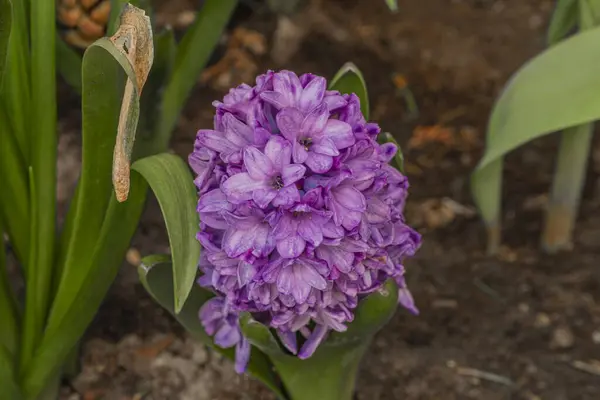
(523, 325)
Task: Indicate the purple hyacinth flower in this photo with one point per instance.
(301, 216)
(270, 176)
(316, 139)
(225, 327)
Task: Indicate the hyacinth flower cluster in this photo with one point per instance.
(301, 214)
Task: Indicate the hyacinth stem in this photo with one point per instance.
(327, 375)
(567, 187)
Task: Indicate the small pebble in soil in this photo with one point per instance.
(596, 336)
(542, 320)
(562, 338)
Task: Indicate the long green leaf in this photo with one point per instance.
(103, 86)
(156, 276)
(564, 20)
(192, 55)
(544, 96)
(170, 180)
(68, 63)
(16, 91)
(43, 152)
(8, 377)
(348, 80)
(33, 320)
(9, 314)
(15, 199)
(105, 259)
(5, 24)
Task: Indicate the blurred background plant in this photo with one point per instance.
(68, 269)
(557, 90)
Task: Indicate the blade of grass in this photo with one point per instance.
(43, 152)
(15, 198)
(564, 20)
(172, 184)
(10, 387)
(16, 92)
(32, 320)
(5, 25)
(192, 55)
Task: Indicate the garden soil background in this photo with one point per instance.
(522, 325)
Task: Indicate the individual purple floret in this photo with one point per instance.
(301, 215)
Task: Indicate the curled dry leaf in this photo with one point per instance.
(134, 40)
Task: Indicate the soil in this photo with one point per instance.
(522, 325)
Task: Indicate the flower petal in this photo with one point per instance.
(325, 146)
(287, 196)
(215, 200)
(336, 257)
(289, 122)
(340, 132)
(215, 141)
(312, 94)
(310, 231)
(315, 120)
(305, 272)
(292, 173)
(262, 197)
(236, 131)
(242, 355)
(278, 100)
(313, 341)
(227, 336)
(300, 153)
(291, 247)
(259, 166)
(288, 339)
(319, 163)
(239, 187)
(279, 152)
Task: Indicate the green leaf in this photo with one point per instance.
(564, 20)
(392, 4)
(156, 275)
(103, 86)
(15, 199)
(387, 137)
(589, 14)
(9, 314)
(260, 336)
(43, 155)
(349, 80)
(192, 55)
(5, 24)
(173, 185)
(331, 371)
(556, 90)
(105, 258)
(8, 377)
(68, 63)
(16, 92)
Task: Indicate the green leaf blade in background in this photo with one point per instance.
(16, 91)
(564, 20)
(173, 185)
(5, 25)
(10, 386)
(348, 80)
(155, 273)
(68, 63)
(538, 101)
(392, 4)
(43, 145)
(192, 55)
(9, 330)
